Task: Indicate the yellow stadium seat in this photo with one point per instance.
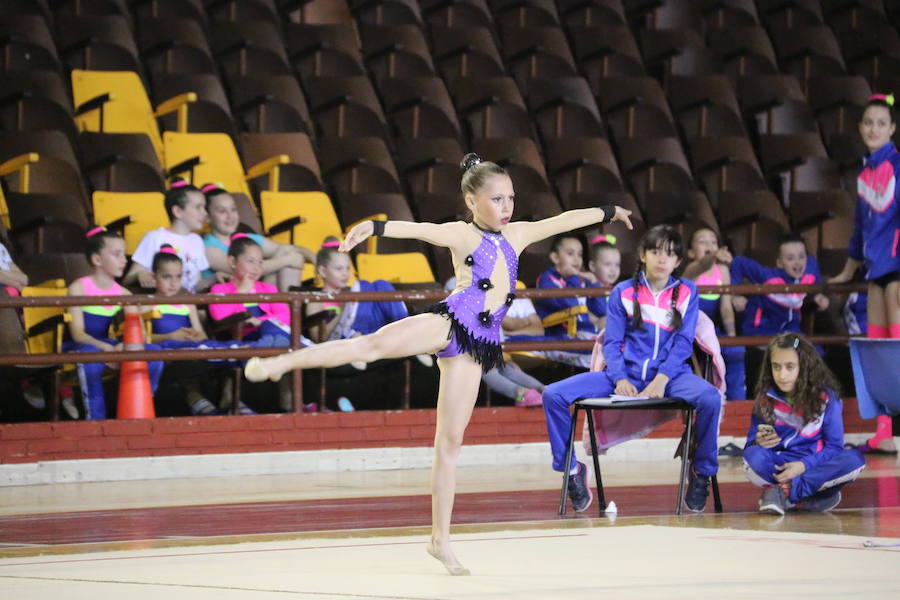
(145, 211)
(318, 219)
(404, 267)
(116, 102)
(44, 325)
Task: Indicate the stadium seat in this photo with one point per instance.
(419, 107)
(396, 51)
(345, 107)
(324, 50)
(210, 112)
(270, 104)
(407, 267)
(604, 52)
(563, 107)
(132, 213)
(120, 162)
(386, 12)
(536, 51)
(358, 165)
(430, 165)
(248, 47)
(582, 165)
(491, 107)
(27, 43)
(97, 42)
(172, 45)
(301, 173)
(463, 13)
(465, 52)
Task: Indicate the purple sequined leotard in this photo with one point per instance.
(475, 329)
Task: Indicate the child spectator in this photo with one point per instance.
(89, 327)
(709, 266)
(776, 313)
(568, 271)
(11, 276)
(795, 443)
(650, 327)
(178, 326)
(282, 263)
(186, 208)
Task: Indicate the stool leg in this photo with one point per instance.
(716, 497)
(601, 499)
(688, 430)
(565, 484)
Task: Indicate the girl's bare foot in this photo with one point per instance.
(260, 369)
(447, 558)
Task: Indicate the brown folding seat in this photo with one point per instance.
(270, 104)
(358, 165)
(245, 47)
(37, 8)
(796, 13)
(317, 12)
(705, 105)
(825, 219)
(35, 100)
(872, 51)
(563, 107)
(524, 13)
(176, 9)
(752, 222)
(42, 222)
(91, 7)
(603, 52)
(465, 52)
(121, 162)
(52, 165)
(743, 51)
(854, 14)
(838, 105)
(521, 158)
(723, 164)
(670, 52)
(300, 174)
(324, 50)
(97, 42)
(635, 107)
(386, 12)
(419, 107)
(775, 103)
(665, 14)
(653, 164)
(396, 51)
(685, 211)
(727, 14)
(430, 165)
(807, 52)
(27, 43)
(582, 166)
(210, 113)
(357, 207)
(592, 12)
(345, 107)
(172, 45)
(491, 107)
(797, 162)
(461, 13)
(537, 52)
(243, 10)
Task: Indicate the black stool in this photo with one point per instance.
(591, 404)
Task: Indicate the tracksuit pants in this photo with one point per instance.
(760, 463)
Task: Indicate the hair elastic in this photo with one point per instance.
(95, 231)
(178, 183)
(239, 235)
(211, 187)
(331, 244)
(796, 343)
(886, 98)
(604, 237)
(169, 250)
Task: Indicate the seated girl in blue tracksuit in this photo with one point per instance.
(650, 325)
(775, 313)
(567, 256)
(795, 444)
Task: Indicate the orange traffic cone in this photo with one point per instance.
(135, 396)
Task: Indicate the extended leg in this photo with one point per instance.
(425, 333)
(460, 378)
(558, 397)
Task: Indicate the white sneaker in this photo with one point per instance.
(425, 359)
(68, 405)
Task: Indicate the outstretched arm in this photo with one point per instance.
(443, 234)
(529, 232)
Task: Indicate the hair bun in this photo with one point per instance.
(470, 160)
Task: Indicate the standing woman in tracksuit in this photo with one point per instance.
(650, 324)
(875, 243)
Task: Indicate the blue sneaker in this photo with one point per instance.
(579, 490)
(697, 492)
(344, 404)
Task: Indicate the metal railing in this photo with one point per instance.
(295, 301)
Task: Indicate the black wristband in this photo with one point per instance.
(609, 211)
(378, 227)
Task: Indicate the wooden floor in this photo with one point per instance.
(295, 535)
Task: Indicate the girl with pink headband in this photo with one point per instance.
(875, 243)
(186, 208)
(282, 263)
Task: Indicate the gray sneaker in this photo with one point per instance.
(579, 490)
(821, 501)
(773, 501)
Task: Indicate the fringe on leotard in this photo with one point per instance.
(487, 354)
